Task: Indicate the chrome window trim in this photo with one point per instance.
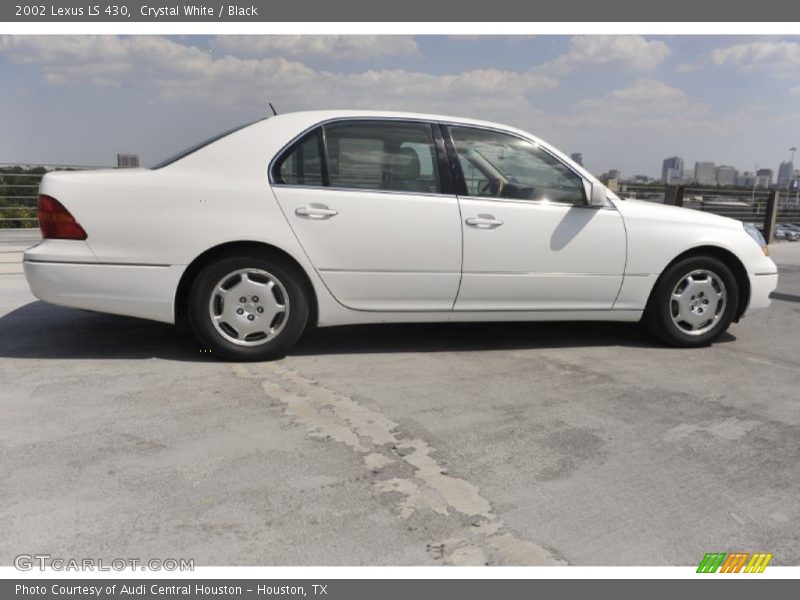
(280, 153)
(608, 206)
(361, 190)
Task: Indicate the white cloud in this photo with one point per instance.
(107, 54)
(102, 60)
(778, 59)
(185, 74)
(795, 91)
(636, 126)
(292, 86)
(645, 103)
(689, 67)
(632, 51)
(335, 47)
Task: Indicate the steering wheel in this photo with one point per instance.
(492, 188)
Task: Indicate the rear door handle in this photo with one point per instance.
(484, 222)
(315, 211)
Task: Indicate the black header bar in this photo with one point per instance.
(463, 11)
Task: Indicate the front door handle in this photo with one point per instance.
(316, 211)
(484, 222)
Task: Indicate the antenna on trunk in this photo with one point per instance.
(274, 112)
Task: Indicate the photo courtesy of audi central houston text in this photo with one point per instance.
(400, 300)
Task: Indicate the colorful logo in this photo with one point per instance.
(734, 562)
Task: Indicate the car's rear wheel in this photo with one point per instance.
(693, 303)
(248, 308)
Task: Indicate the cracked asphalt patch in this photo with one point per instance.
(404, 470)
(572, 443)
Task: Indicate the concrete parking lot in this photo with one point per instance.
(583, 444)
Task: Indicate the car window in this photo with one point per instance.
(382, 155)
(499, 165)
(303, 164)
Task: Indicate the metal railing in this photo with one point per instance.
(19, 191)
(767, 209)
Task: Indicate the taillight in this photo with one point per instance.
(56, 222)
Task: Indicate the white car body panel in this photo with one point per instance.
(657, 234)
(129, 290)
(399, 261)
(414, 242)
(545, 256)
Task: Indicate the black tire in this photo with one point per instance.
(219, 339)
(660, 310)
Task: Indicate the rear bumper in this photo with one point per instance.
(143, 291)
(761, 286)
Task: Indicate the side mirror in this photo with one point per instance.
(598, 195)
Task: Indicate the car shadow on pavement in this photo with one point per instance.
(40, 330)
(465, 337)
(784, 297)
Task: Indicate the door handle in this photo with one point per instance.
(484, 222)
(316, 211)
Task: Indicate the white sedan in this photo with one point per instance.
(342, 217)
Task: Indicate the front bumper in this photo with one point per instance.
(761, 286)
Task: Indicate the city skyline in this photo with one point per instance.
(623, 102)
(673, 171)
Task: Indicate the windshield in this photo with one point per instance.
(203, 144)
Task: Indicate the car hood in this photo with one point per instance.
(664, 213)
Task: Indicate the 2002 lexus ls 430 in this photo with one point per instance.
(342, 217)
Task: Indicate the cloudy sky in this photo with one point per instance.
(625, 102)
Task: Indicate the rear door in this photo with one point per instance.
(375, 212)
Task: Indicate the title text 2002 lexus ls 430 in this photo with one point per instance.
(343, 217)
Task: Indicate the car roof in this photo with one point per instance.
(325, 115)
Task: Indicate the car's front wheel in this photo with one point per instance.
(693, 303)
(248, 308)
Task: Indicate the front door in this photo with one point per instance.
(531, 242)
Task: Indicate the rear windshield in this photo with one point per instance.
(203, 144)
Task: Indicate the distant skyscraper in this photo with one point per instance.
(672, 170)
(127, 161)
(726, 175)
(765, 175)
(674, 177)
(785, 174)
(705, 173)
(746, 179)
(577, 157)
